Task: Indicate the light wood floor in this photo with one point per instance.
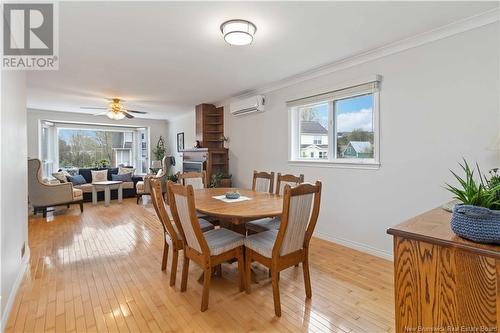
(100, 271)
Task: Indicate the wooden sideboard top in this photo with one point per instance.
(434, 227)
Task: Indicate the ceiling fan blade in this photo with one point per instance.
(128, 115)
(135, 111)
(93, 108)
(100, 113)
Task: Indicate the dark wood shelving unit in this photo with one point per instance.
(210, 134)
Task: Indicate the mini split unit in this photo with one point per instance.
(247, 105)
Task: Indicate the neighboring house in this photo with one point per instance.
(358, 149)
(313, 140)
(122, 148)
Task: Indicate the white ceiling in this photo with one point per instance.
(166, 57)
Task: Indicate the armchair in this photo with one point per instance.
(143, 187)
(42, 195)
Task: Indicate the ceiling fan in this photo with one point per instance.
(115, 110)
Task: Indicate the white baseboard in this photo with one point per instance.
(15, 288)
(356, 246)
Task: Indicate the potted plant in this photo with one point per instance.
(158, 152)
(102, 164)
(220, 179)
(477, 217)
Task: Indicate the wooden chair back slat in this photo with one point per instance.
(300, 214)
(283, 180)
(195, 179)
(263, 181)
(184, 213)
(160, 208)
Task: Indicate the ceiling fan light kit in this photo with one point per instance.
(115, 115)
(115, 110)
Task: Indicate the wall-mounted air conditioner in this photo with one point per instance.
(247, 105)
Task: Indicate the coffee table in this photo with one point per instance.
(107, 191)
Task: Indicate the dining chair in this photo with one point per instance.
(208, 249)
(288, 246)
(196, 179)
(263, 181)
(267, 223)
(171, 235)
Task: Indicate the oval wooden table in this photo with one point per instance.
(260, 205)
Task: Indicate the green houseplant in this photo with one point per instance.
(102, 164)
(158, 152)
(477, 217)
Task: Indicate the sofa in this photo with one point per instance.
(128, 187)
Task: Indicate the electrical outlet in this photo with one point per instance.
(23, 249)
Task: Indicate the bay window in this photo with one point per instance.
(75, 145)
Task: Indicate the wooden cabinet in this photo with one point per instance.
(443, 283)
(210, 134)
(210, 126)
(211, 160)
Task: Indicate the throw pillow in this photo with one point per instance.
(77, 180)
(122, 171)
(61, 176)
(99, 175)
(127, 177)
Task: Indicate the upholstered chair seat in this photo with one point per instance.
(262, 243)
(222, 240)
(264, 224)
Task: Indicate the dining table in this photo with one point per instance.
(256, 205)
(233, 214)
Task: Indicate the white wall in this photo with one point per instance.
(187, 124)
(157, 127)
(14, 188)
(438, 103)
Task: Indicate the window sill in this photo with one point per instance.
(331, 164)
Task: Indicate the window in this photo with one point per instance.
(313, 127)
(336, 127)
(82, 146)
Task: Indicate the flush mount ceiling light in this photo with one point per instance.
(238, 32)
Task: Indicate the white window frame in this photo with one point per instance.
(349, 91)
(58, 125)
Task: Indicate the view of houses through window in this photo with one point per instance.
(347, 121)
(354, 124)
(314, 131)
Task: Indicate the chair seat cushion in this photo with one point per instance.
(139, 187)
(222, 240)
(263, 224)
(262, 243)
(77, 194)
(205, 225)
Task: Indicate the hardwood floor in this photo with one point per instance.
(100, 272)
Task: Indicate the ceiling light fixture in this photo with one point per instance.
(115, 115)
(238, 32)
